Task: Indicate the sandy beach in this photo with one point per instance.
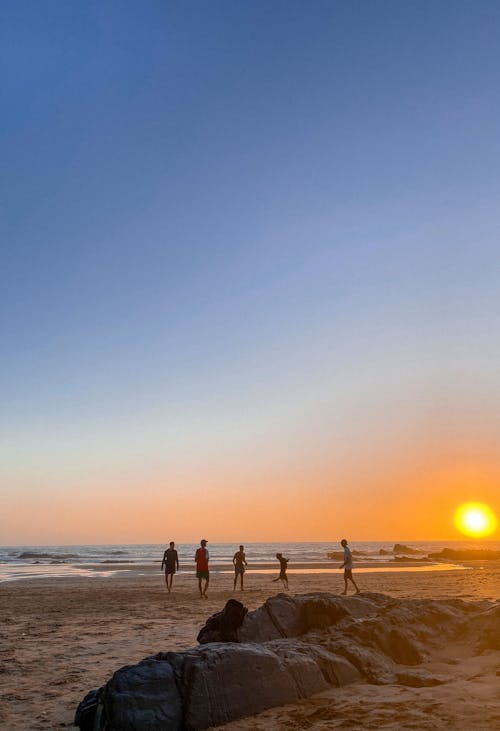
(62, 637)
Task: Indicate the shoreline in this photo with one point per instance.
(104, 570)
(29, 563)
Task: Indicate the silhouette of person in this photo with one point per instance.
(202, 572)
(283, 566)
(347, 566)
(239, 561)
(171, 563)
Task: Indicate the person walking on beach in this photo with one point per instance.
(171, 564)
(202, 573)
(283, 565)
(347, 566)
(239, 561)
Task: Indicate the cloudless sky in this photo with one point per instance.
(250, 268)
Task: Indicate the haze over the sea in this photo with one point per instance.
(250, 270)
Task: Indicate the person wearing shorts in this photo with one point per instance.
(239, 561)
(347, 566)
(171, 564)
(283, 566)
(202, 572)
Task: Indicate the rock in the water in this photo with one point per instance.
(407, 559)
(402, 548)
(470, 554)
(290, 648)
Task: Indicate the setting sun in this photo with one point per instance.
(475, 520)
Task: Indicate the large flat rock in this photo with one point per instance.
(291, 647)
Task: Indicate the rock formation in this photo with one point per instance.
(470, 554)
(410, 559)
(402, 548)
(290, 648)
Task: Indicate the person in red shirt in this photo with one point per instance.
(202, 572)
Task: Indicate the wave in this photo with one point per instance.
(56, 556)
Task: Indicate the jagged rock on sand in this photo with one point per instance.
(291, 647)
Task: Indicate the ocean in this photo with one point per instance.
(25, 562)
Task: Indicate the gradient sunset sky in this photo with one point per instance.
(250, 269)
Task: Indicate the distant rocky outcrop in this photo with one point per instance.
(470, 554)
(290, 648)
(401, 548)
(398, 548)
(410, 559)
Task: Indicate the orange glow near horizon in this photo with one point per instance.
(401, 499)
(406, 489)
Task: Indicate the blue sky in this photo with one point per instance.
(222, 223)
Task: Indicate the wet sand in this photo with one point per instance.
(60, 637)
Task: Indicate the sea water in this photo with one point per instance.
(25, 562)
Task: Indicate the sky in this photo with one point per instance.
(249, 269)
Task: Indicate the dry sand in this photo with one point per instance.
(61, 637)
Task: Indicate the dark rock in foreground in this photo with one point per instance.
(290, 648)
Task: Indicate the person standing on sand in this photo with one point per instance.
(239, 561)
(171, 563)
(202, 573)
(283, 566)
(347, 566)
